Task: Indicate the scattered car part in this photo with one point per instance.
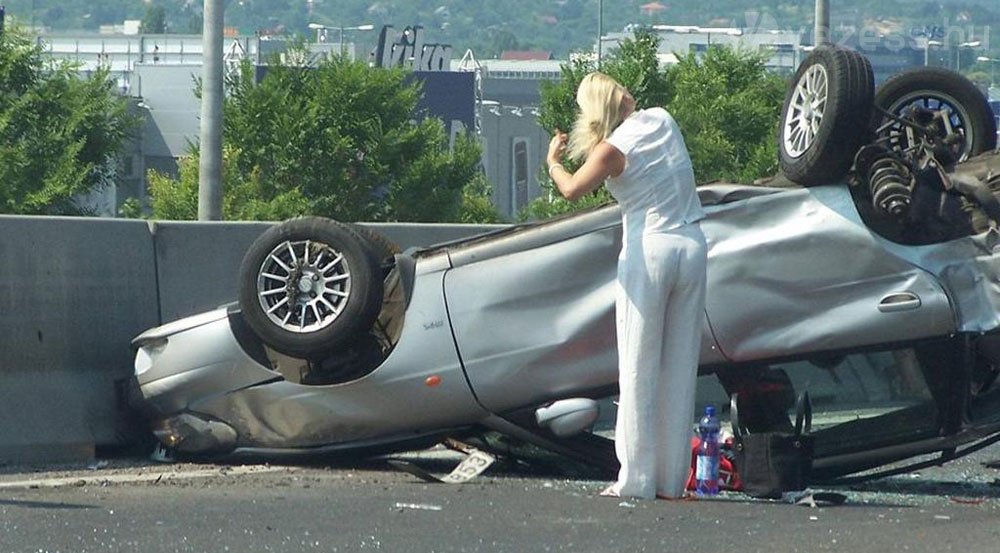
(187, 432)
(475, 463)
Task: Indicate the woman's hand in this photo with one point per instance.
(557, 148)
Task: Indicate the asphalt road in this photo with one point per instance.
(136, 505)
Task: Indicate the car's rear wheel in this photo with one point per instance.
(310, 285)
(828, 101)
(918, 94)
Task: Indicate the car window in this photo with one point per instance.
(844, 389)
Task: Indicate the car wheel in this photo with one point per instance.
(307, 286)
(383, 248)
(828, 101)
(917, 94)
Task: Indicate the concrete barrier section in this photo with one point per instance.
(409, 235)
(73, 292)
(197, 264)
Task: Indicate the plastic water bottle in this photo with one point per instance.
(707, 466)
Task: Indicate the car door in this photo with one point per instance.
(797, 271)
(532, 312)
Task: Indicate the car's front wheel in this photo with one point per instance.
(309, 285)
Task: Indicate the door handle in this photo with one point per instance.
(900, 301)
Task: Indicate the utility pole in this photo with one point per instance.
(822, 31)
(210, 166)
(600, 30)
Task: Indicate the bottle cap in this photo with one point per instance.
(710, 410)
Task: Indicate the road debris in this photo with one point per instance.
(968, 500)
(475, 463)
(809, 498)
(416, 506)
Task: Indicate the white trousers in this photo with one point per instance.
(659, 315)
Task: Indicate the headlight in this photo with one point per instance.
(147, 353)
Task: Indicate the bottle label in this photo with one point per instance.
(707, 468)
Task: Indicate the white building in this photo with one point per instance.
(785, 47)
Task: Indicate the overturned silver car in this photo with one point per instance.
(869, 275)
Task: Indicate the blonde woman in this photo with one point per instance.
(660, 300)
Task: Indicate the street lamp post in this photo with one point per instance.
(600, 30)
(993, 68)
(927, 50)
(319, 31)
(366, 27)
(319, 28)
(822, 23)
(958, 52)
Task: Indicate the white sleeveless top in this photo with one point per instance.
(656, 191)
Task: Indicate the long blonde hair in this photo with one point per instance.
(599, 98)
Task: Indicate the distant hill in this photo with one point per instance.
(489, 27)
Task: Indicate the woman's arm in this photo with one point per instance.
(603, 161)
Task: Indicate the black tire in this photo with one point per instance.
(818, 149)
(862, 79)
(383, 248)
(936, 88)
(333, 302)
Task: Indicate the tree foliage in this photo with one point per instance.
(726, 103)
(336, 140)
(60, 132)
(155, 20)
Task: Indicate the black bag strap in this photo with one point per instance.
(803, 414)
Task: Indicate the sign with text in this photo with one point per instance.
(408, 49)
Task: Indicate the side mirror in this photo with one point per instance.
(568, 416)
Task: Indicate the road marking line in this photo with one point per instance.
(98, 479)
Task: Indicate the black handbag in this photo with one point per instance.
(771, 463)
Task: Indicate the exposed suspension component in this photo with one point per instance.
(889, 179)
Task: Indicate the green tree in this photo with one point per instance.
(155, 20)
(726, 103)
(336, 140)
(60, 132)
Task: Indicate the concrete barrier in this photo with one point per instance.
(409, 235)
(197, 264)
(72, 292)
(75, 291)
